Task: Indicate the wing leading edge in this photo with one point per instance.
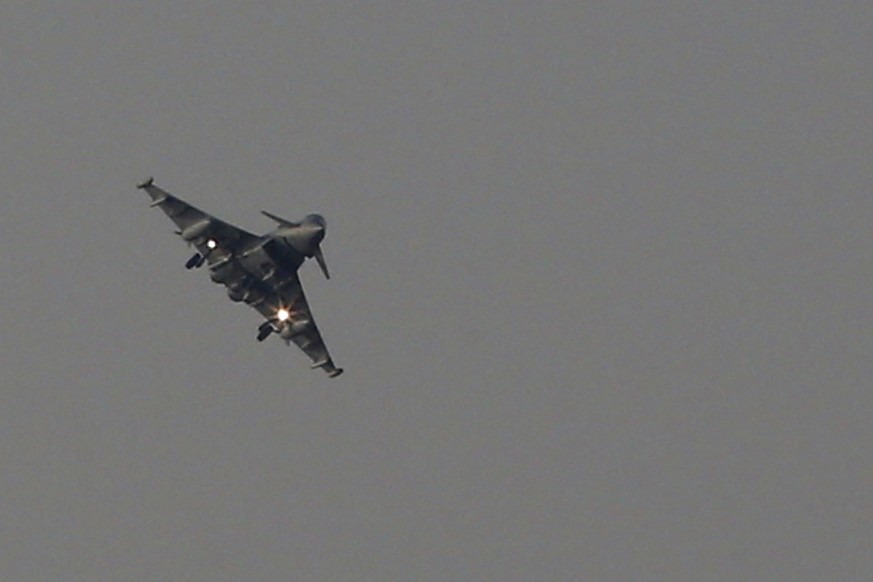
(253, 270)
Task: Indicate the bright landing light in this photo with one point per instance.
(211, 243)
(283, 315)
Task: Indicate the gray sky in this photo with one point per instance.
(601, 287)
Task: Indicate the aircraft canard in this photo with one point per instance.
(259, 270)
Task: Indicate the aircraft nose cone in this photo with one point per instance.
(306, 235)
(315, 233)
(316, 219)
(315, 228)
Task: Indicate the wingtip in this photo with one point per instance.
(327, 365)
(146, 184)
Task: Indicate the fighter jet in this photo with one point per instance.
(260, 271)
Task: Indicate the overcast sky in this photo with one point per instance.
(601, 287)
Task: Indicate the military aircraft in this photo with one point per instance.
(258, 270)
